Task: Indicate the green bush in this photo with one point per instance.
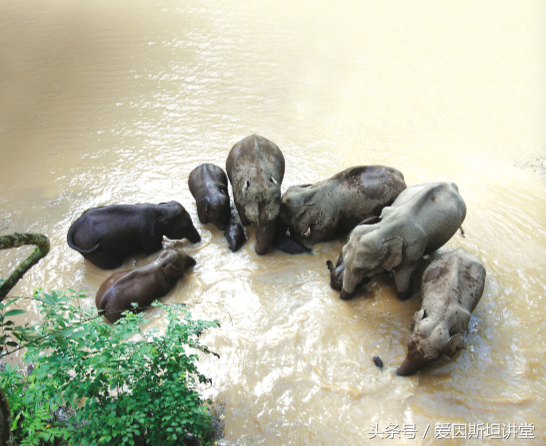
(127, 386)
(33, 421)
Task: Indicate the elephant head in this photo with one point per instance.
(429, 341)
(368, 253)
(298, 211)
(215, 208)
(174, 263)
(175, 223)
(262, 201)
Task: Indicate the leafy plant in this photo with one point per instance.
(7, 326)
(128, 386)
(33, 421)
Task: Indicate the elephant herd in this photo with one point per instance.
(391, 227)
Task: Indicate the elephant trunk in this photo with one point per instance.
(264, 238)
(414, 361)
(192, 235)
(409, 368)
(336, 275)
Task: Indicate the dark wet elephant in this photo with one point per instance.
(141, 285)
(235, 233)
(338, 204)
(452, 286)
(106, 235)
(255, 168)
(209, 186)
(420, 221)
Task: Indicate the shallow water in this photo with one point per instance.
(116, 102)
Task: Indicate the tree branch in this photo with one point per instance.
(14, 241)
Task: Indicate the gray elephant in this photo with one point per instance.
(106, 235)
(338, 204)
(255, 168)
(452, 286)
(209, 186)
(141, 285)
(420, 221)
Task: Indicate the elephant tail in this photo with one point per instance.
(72, 244)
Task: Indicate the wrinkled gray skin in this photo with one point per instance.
(141, 285)
(338, 204)
(255, 168)
(235, 233)
(452, 286)
(209, 186)
(106, 235)
(337, 271)
(420, 221)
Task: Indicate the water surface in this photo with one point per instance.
(117, 101)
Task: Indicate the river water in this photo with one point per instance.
(117, 101)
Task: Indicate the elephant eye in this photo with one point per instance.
(424, 314)
(274, 181)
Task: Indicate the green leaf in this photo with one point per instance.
(12, 313)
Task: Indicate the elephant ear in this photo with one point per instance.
(419, 316)
(392, 248)
(172, 271)
(246, 186)
(205, 202)
(371, 220)
(202, 209)
(311, 214)
(158, 226)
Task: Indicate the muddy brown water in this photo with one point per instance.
(116, 102)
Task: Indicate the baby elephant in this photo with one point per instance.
(420, 221)
(142, 285)
(209, 186)
(452, 286)
(107, 234)
(338, 204)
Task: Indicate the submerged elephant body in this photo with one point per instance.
(255, 168)
(338, 204)
(290, 245)
(106, 235)
(452, 286)
(141, 285)
(421, 220)
(209, 186)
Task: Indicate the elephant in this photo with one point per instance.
(420, 221)
(452, 286)
(338, 204)
(209, 186)
(235, 233)
(106, 235)
(142, 285)
(255, 168)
